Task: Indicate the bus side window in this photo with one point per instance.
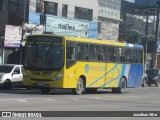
(111, 53)
(134, 55)
(139, 56)
(105, 55)
(82, 51)
(92, 52)
(98, 53)
(70, 54)
(127, 55)
(118, 54)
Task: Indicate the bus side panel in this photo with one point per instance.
(140, 75)
(134, 76)
(70, 77)
(96, 74)
(108, 77)
(113, 74)
(91, 71)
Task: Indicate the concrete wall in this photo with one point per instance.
(89, 4)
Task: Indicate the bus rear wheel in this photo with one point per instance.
(45, 90)
(80, 87)
(122, 87)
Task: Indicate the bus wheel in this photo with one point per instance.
(45, 90)
(80, 87)
(122, 87)
(91, 90)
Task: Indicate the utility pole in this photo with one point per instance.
(156, 39)
(146, 40)
(22, 32)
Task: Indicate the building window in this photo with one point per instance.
(83, 13)
(1, 4)
(50, 8)
(64, 10)
(39, 6)
(99, 27)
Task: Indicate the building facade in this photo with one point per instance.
(96, 19)
(108, 19)
(66, 17)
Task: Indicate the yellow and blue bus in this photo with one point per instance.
(81, 64)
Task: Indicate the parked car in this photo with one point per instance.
(11, 76)
(144, 79)
(153, 76)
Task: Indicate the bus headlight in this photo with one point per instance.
(25, 75)
(58, 76)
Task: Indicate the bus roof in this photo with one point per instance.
(88, 40)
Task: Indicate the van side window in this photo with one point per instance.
(17, 70)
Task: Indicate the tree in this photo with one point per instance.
(132, 37)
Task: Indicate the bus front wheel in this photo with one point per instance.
(80, 87)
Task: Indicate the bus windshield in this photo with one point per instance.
(44, 56)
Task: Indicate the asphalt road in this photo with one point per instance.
(135, 99)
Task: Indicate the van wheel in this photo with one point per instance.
(45, 90)
(7, 85)
(80, 87)
(122, 87)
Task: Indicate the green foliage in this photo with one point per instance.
(132, 37)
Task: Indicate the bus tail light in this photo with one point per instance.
(58, 76)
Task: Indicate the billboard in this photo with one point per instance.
(70, 27)
(34, 18)
(12, 36)
(146, 3)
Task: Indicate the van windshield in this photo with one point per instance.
(5, 69)
(152, 72)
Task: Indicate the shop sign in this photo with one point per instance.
(12, 36)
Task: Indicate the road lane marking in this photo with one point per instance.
(132, 96)
(97, 98)
(21, 100)
(75, 98)
(51, 100)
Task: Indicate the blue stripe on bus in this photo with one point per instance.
(137, 46)
(102, 76)
(113, 79)
(107, 82)
(134, 45)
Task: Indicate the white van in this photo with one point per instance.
(11, 76)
